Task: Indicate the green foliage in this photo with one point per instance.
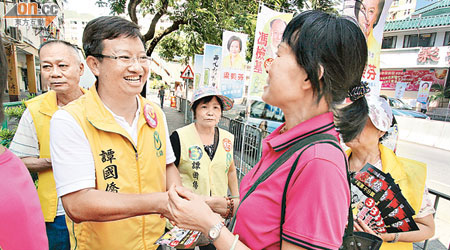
(6, 136)
(15, 112)
(440, 92)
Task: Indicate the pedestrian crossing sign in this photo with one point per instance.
(187, 73)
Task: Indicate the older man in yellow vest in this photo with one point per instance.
(112, 160)
(61, 68)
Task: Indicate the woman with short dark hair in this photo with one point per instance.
(298, 200)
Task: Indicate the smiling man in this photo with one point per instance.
(112, 158)
(61, 69)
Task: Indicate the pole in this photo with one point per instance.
(186, 101)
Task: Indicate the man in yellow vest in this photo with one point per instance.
(111, 157)
(61, 68)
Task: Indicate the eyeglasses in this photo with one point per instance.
(127, 60)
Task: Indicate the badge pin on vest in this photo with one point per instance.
(150, 116)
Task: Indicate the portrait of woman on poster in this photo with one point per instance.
(368, 14)
(234, 60)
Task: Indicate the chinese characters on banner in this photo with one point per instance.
(198, 69)
(232, 76)
(389, 78)
(424, 89)
(371, 16)
(211, 65)
(270, 26)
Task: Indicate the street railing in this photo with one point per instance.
(247, 144)
(438, 195)
(9, 105)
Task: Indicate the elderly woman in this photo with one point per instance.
(234, 59)
(302, 204)
(366, 122)
(204, 152)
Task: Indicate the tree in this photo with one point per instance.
(440, 93)
(195, 22)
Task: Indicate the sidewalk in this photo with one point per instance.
(174, 118)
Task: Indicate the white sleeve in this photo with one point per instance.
(25, 142)
(72, 160)
(170, 155)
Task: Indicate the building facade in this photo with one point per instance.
(416, 49)
(24, 26)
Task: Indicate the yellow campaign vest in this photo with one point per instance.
(42, 109)
(198, 173)
(121, 167)
(410, 175)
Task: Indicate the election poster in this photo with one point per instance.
(424, 90)
(232, 75)
(270, 26)
(211, 65)
(400, 89)
(198, 69)
(371, 16)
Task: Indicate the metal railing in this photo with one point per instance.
(247, 144)
(438, 195)
(9, 105)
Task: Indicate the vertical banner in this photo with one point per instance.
(211, 65)
(270, 26)
(424, 90)
(232, 75)
(371, 16)
(198, 70)
(400, 89)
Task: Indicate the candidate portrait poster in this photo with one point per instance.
(424, 90)
(211, 65)
(232, 77)
(371, 16)
(198, 70)
(270, 26)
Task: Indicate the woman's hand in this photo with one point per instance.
(360, 226)
(189, 211)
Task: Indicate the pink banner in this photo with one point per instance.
(389, 78)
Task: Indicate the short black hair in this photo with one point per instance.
(358, 4)
(107, 28)
(3, 76)
(206, 99)
(75, 47)
(232, 39)
(337, 44)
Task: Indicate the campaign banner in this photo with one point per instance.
(232, 75)
(211, 65)
(270, 26)
(371, 16)
(400, 89)
(424, 90)
(413, 77)
(198, 70)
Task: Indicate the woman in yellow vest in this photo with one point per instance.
(363, 135)
(204, 152)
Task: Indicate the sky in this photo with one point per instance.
(86, 6)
